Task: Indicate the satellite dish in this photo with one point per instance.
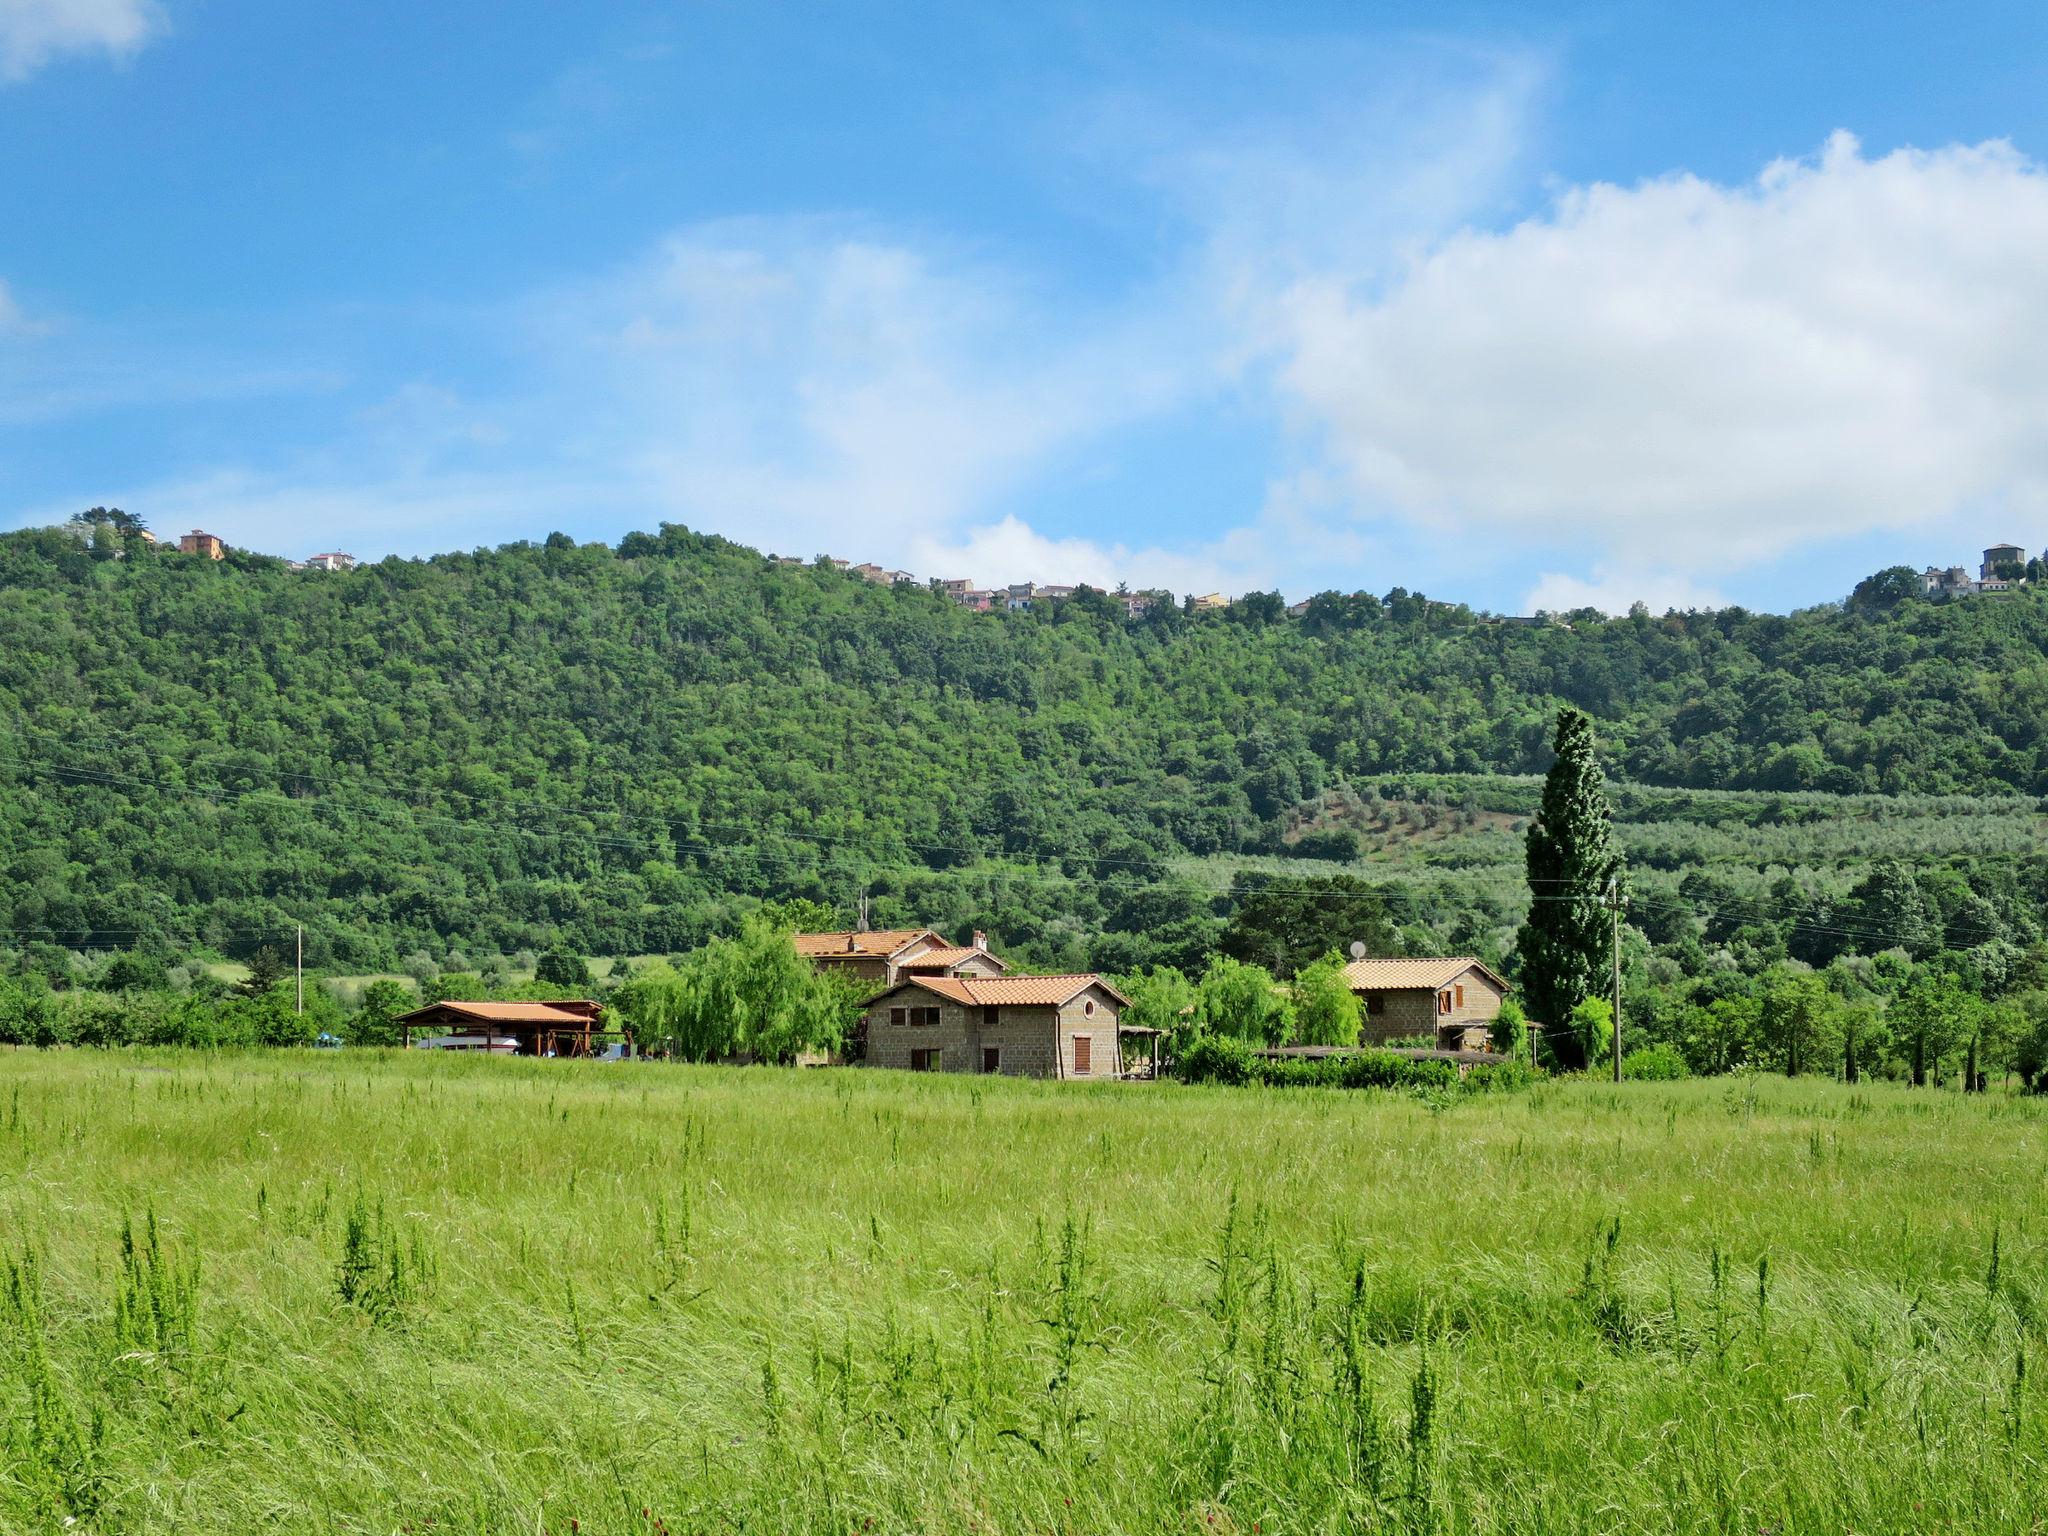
(1358, 949)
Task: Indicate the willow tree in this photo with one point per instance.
(1566, 945)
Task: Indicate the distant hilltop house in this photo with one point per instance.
(868, 571)
(888, 955)
(1012, 1026)
(1453, 999)
(334, 560)
(200, 542)
(1018, 596)
(2004, 567)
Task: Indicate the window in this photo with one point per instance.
(923, 1018)
(1375, 1004)
(1084, 1055)
(896, 1015)
(1443, 1002)
(991, 1058)
(1089, 1008)
(1460, 990)
(991, 1014)
(925, 1060)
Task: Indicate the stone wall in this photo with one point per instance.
(1025, 1036)
(1413, 1011)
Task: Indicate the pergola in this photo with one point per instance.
(566, 1028)
(1141, 1032)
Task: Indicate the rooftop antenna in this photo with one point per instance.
(1358, 949)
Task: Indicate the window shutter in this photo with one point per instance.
(1461, 994)
(1084, 1055)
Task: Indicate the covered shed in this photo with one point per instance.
(570, 1027)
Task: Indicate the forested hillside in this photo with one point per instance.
(618, 749)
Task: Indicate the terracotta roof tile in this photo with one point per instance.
(1423, 973)
(949, 954)
(512, 1013)
(871, 943)
(1025, 991)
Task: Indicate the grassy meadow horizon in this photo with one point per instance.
(369, 1291)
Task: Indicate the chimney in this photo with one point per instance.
(852, 943)
(980, 939)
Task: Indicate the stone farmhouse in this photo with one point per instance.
(1014, 1026)
(1453, 999)
(886, 955)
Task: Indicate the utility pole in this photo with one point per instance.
(1614, 901)
(299, 970)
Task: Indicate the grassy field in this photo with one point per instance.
(370, 1293)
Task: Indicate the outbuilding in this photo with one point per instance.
(570, 1027)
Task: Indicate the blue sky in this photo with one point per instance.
(1521, 305)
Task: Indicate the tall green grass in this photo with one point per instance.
(380, 1293)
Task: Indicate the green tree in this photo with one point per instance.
(1510, 1029)
(560, 968)
(266, 970)
(1799, 1019)
(1326, 1010)
(751, 997)
(382, 1001)
(1724, 1035)
(1592, 1029)
(2030, 1044)
(1573, 863)
(1161, 998)
(1243, 1000)
(1284, 922)
(1865, 1035)
(1929, 1019)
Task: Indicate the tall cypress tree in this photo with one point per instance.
(1566, 945)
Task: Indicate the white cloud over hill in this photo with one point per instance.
(1692, 378)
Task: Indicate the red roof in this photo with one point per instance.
(860, 943)
(949, 955)
(569, 1012)
(1414, 975)
(994, 991)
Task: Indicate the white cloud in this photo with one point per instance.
(1685, 376)
(33, 32)
(1613, 592)
(12, 321)
(816, 388)
(1010, 549)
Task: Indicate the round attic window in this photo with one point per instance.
(1089, 1006)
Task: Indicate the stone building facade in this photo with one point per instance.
(1453, 1000)
(1011, 1026)
(885, 956)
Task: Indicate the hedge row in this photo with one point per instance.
(1224, 1059)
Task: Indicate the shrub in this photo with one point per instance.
(1223, 1059)
(1654, 1064)
(1216, 1059)
(1510, 1076)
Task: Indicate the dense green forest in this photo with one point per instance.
(623, 750)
